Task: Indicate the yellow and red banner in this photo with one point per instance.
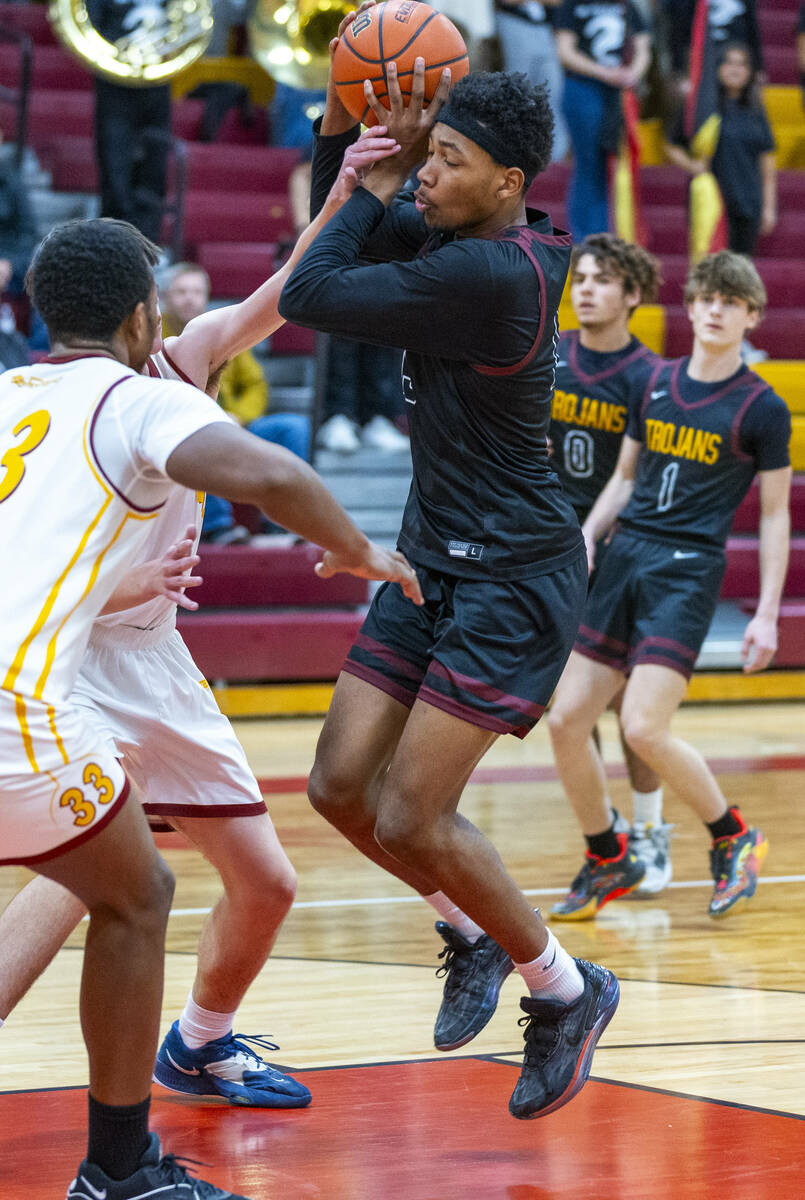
(625, 194)
(708, 222)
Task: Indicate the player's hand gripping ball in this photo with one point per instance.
(398, 31)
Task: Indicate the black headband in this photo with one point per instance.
(482, 135)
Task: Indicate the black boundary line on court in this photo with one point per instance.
(500, 1060)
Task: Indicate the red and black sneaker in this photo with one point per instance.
(599, 881)
(735, 864)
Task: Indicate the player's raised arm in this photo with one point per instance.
(760, 638)
(227, 461)
(215, 337)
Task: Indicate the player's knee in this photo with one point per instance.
(334, 795)
(278, 888)
(642, 734)
(399, 829)
(163, 886)
(143, 900)
(563, 724)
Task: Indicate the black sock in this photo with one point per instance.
(606, 844)
(725, 826)
(118, 1136)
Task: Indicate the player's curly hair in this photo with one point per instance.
(727, 274)
(515, 110)
(637, 270)
(88, 276)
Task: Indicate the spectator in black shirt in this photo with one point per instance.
(468, 283)
(604, 48)
(743, 162)
(730, 21)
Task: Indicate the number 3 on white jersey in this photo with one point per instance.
(37, 424)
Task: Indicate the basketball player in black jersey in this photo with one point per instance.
(601, 374)
(468, 284)
(705, 427)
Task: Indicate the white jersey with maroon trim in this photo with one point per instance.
(182, 509)
(83, 445)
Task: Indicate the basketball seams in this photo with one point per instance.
(402, 49)
(446, 62)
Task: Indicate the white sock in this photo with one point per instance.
(647, 807)
(449, 912)
(1, 1022)
(554, 975)
(198, 1025)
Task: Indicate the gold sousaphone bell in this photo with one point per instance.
(159, 41)
(290, 38)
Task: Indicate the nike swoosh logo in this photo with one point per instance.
(683, 554)
(553, 960)
(658, 395)
(93, 1191)
(184, 1070)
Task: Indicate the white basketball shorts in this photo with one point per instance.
(152, 705)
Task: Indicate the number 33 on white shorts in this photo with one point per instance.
(52, 811)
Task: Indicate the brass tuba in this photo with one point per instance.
(158, 40)
(290, 38)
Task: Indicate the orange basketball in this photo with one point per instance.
(398, 31)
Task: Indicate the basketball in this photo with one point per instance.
(398, 31)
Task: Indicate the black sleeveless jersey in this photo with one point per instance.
(702, 445)
(593, 395)
(477, 320)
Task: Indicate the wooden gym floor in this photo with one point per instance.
(698, 1087)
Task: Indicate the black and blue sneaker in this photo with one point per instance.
(162, 1176)
(473, 976)
(559, 1043)
(227, 1067)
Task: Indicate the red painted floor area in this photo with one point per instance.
(434, 1131)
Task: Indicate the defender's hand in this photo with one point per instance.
(376, 564)
(170, 575)
(371, 147)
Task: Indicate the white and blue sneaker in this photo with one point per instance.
(228, 1068)
(157, 1175)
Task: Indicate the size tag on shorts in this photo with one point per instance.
(464, 549)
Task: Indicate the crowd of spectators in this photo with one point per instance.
(587, 54)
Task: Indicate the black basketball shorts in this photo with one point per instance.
(489, 652)
(650, 602)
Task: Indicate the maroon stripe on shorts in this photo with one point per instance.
(471, 715)
(380, 681)
(616, 662)
(485, 691)
(253, 809)
(593, 635)
(666, 644)
(389, 656)
(673, 664)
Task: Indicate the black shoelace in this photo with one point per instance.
(458, 964)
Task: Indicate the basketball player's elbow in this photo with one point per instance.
(293, 302)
